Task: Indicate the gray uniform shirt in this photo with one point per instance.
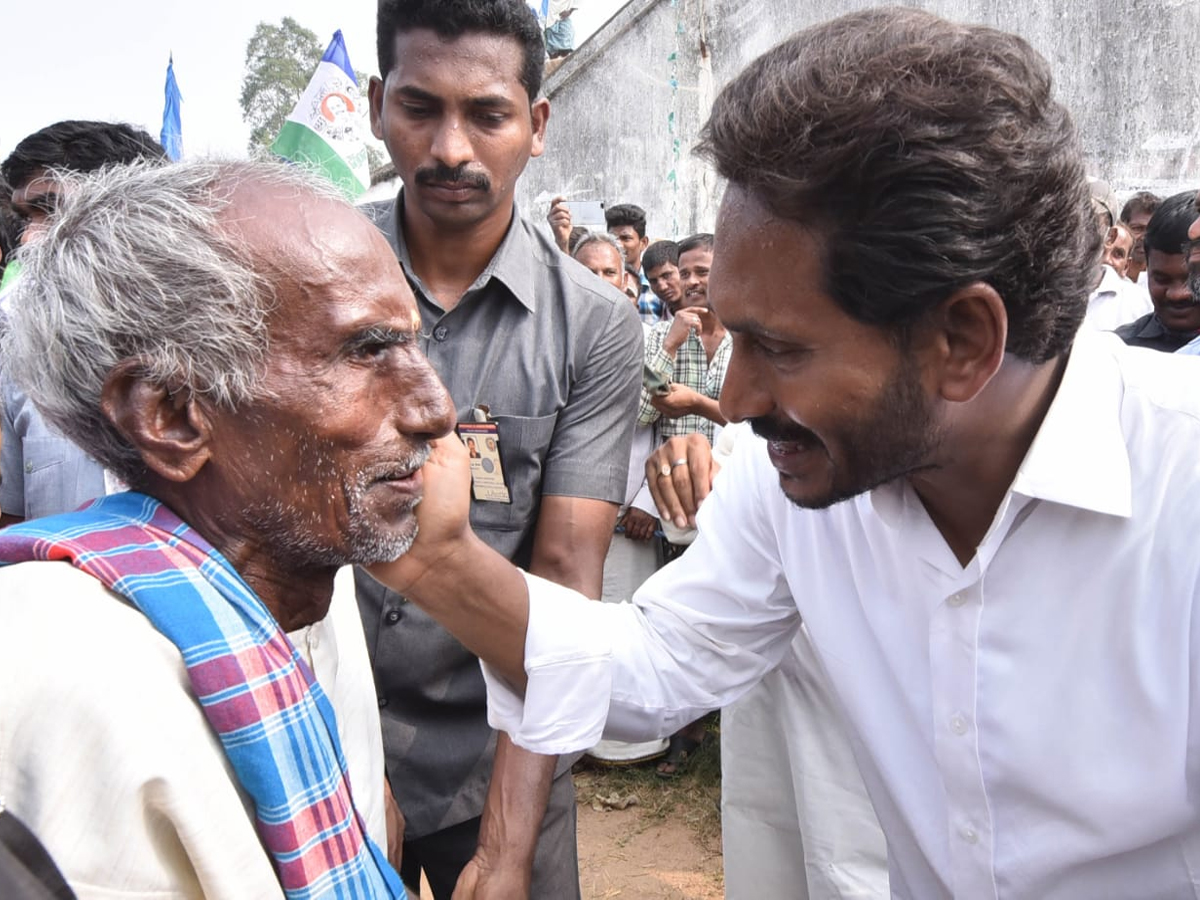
(556, 355)
(42, 473)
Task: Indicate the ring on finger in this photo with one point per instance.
(679, 462)
(665, 471)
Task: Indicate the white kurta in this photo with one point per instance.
(107, 757)
(1027, 725)
(795, 818)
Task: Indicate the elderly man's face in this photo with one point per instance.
(324, 466)
(1118, 244)
(603, 261)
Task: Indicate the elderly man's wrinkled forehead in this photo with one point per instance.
(281, 225)
(300, 240)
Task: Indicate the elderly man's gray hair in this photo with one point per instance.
(136, 266)
(599, 237)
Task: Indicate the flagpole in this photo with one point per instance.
(171, 136)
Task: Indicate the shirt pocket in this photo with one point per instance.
(44, 476)
(524, 445)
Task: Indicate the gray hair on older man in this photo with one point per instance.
(137, 266)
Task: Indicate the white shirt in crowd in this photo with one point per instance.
(1115, 302)
(1027, 725)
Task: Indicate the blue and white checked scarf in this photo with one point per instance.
(274, 721)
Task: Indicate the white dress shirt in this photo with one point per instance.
(1024, 725)
(1115, 302)
(108, 758)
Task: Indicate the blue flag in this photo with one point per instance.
(172, 131)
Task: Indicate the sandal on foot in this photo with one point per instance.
(679, 753)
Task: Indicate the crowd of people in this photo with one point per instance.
(330, 493)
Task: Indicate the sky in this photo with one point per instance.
(108, 61)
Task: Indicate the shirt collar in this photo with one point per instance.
(1079, 456)
(510, 264)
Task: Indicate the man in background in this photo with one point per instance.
(660, 265)
(537, 354)
(1175, 319)
(1135, 215)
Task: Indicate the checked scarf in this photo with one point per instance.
(274, 721)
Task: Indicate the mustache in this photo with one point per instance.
(402, 466)
(459, 176)
(784, 432)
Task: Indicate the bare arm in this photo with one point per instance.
(684, 401)
(572, 539)
(502, 866)
(559, 218)
(474, 592)
(569, 547)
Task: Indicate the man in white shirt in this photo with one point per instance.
(985, 525)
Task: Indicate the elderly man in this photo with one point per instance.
(188, 706)
(984, 523)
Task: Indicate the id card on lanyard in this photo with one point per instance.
(482, 440)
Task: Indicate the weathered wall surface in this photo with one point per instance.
(1129, 73)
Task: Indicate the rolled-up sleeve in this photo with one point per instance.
(698, 634)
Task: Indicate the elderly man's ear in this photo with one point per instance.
(172, 431)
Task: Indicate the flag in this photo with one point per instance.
(325, 130)
(8, 284)
(172, 131)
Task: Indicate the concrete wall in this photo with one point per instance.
(1129, 73)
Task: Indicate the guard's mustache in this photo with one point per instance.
(458, 176)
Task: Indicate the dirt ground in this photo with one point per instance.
(646, 838)
(666, 845)
(633, 854)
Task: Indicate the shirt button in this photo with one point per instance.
(382, 702)
(957, 599)
(392, 617)
(439, 333)
(958, 724)
(969, 834)
(28, 468)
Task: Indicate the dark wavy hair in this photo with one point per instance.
(454, 18)
(626, 214)
(701, 240)
(1141, 202)
(658, 253)
(924, 155)
(78, 146)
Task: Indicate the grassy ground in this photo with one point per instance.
(693, 796)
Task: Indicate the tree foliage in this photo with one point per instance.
(280, 60)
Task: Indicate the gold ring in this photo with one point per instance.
(665, 471)
(679, 462)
